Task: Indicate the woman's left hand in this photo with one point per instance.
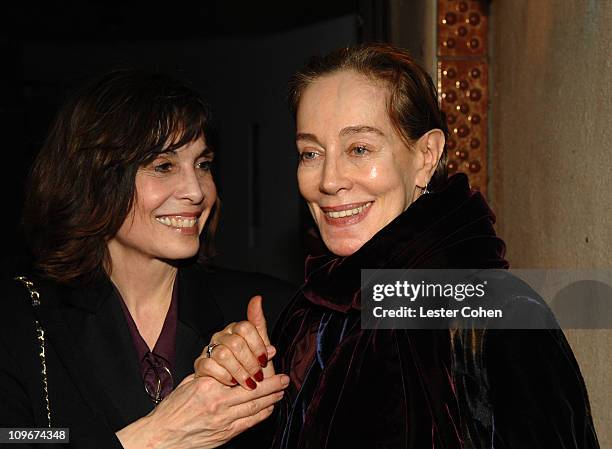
(241, 351)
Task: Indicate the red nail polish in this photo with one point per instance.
(234, 381)
(263, 360)
(259, 376)
(251, 383)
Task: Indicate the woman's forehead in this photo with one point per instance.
(343, 101)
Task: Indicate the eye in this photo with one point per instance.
(359, 150)
(163, 167)
(205, 165)
(307, 155)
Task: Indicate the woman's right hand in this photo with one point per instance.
(203, 413)
(241, 352)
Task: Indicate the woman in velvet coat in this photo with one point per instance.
(371, 145)
(117, 200)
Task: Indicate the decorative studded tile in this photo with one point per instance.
(462, 27)
(463, 86)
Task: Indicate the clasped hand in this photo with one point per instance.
(208, 408)
(241, 351)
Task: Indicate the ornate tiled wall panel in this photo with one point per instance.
(463, 85)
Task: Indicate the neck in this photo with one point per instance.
(144, 283)
(146, 288)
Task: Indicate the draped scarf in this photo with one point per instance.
(354, 387)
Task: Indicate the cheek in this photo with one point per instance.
(403, 171)
(150, 194)
(210, 191)
(210, 197)
(393, 184)
(373, 173)
(130, 220)
(144, 208)
(307, 183)
(382, 177)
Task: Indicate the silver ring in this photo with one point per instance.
(209, 349)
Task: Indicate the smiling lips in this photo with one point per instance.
(178, 222)
(185, 224)
(346, 214)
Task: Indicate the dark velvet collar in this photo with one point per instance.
(452, 228)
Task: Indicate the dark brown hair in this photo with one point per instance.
(82, 183)
(413, 106)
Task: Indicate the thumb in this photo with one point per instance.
(256, 316)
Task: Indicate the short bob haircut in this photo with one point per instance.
(82, 184)
(412, 103)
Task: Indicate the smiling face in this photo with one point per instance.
(174, 196)
(355, 171)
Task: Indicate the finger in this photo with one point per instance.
(204, 366)
(268, 370)
(270, 385)
(226, 330)
(225, 357)
(271, 351)
(254, 406)
(256, 345)
(243, 354)
(255, 315)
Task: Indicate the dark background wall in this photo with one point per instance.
(238, 54)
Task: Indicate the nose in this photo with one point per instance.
(190, 187)
(335, 177)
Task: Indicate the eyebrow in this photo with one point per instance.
(347, 131)
(206, 151)
(360, 129)
(307, 136)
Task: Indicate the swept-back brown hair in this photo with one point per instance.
(412, 103)
(82, 183)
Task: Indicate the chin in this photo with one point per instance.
(343, 247)
(180, 253)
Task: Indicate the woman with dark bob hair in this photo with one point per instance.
(371, 146)
(102, 336)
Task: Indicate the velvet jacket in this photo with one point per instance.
(442, 389)
(95, 385)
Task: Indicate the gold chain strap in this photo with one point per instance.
(40, 336)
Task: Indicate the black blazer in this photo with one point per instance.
(95, 387)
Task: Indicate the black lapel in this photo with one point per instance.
(199, 317)
(87, 329)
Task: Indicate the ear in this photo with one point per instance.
(430, 145)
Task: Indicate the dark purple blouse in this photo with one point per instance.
(156, 366)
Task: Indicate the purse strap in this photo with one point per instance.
(40, 336)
